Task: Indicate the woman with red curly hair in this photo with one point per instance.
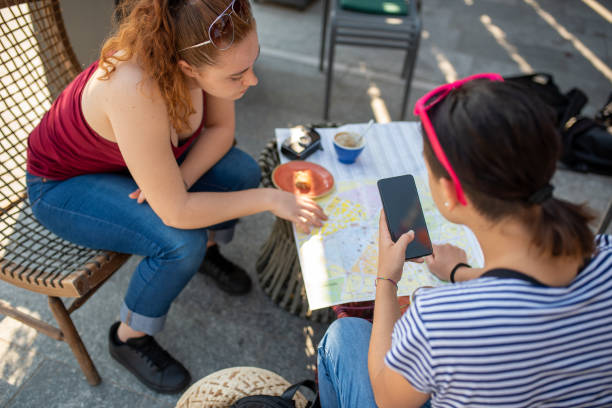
(154, 120)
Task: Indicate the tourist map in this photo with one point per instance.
(339, 260)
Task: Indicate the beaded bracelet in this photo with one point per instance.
(459, 265)
(381, 278)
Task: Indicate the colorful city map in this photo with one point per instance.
(339, 260)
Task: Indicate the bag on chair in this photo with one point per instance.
(544, 87)
(587, 146)
(587, 142)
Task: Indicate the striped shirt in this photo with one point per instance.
(498, 342)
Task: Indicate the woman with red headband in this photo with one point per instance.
(533, 326)
(154, 120)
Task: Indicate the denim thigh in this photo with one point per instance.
(95, 211)
(342, 365)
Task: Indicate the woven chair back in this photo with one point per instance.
(37, 63)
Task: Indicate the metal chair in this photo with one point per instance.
(37, 64)
(300, 4)
(373, 30)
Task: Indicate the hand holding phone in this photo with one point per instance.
(403, 212)
(391, 255)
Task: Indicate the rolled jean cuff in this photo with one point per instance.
(224, 236)
(138, 322)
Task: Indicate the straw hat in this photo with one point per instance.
(224, 387)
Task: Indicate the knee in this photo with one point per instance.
(251, 172)
(346, 335)
(247, 173)
(184, 248)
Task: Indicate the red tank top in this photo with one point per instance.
(63, 145)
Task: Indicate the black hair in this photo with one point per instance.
(502, 142)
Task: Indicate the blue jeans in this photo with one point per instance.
(94, 210)
(342, 365)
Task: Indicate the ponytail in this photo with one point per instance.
(560, 228)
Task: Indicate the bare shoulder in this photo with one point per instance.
(129, 81)
(122, 101)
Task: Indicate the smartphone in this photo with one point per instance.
(403, 211)
(301, 143)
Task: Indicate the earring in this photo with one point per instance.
(446, 204)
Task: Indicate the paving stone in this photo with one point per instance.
(52, 385)
(18, 361)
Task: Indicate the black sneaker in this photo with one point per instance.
(150, 363)
(228, 276)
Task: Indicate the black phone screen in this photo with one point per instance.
(404, 213)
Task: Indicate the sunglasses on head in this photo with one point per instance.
(429, 100)
(221, 31)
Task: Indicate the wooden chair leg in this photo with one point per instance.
(71, 336)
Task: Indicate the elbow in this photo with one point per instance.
(173, 214)
(378, 397)
(172, 218)
(171, 221)
(384, 403)
(382, 399)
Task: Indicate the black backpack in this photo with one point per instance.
(544, 87)
(589, 146)
(587, 142)
(283, 401)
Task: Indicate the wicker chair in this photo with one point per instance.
(37, 63)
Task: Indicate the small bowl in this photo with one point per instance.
(346, 154)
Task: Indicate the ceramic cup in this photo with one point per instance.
(347, 147)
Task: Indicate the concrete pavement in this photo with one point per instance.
(208, 330)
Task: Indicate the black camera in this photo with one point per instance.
(301, 143)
